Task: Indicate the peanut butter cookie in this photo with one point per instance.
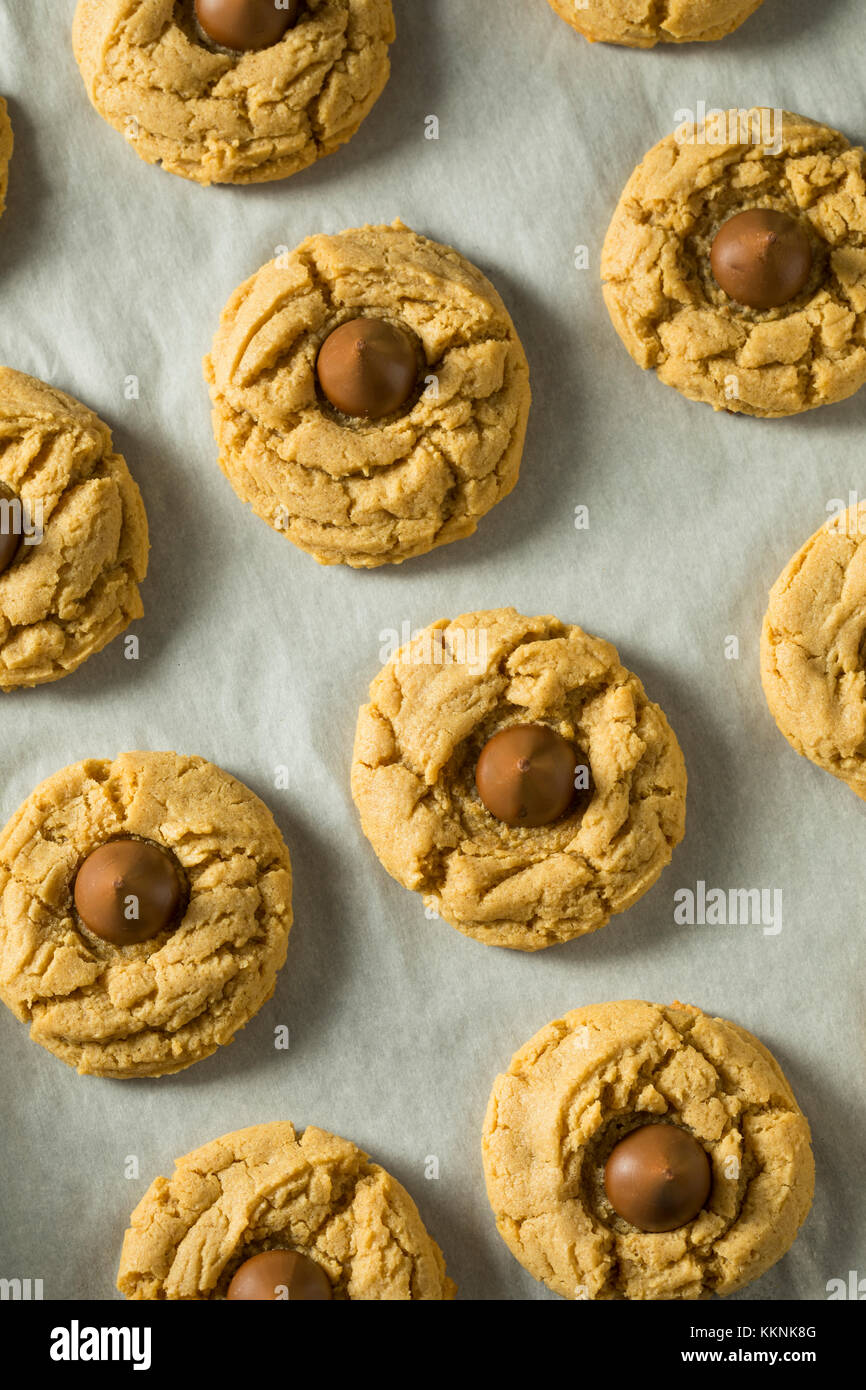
(735, 264)
(513, 772)
(634, 1151)
(73, 534)
(813, 649)
(6, 143)
(644, 23)
(267, 1214)
(217, 114)
(145, 907)
(370, 396)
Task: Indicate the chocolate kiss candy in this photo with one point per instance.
(525, 775)
(128, 891)
(245, 25)
(761, 258)
(280, 1274)
(367, 368)
(658, 1178)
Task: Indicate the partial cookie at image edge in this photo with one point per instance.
(665, 303)
(73, 585)
(161, 85)
(615, 21)
(813, 649)
(151, 1007)
(7, 141)
(266, 1188)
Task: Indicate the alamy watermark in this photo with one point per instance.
(21, 517)
(729, 907)
(847, 518)
(462, 647)
(759, 125)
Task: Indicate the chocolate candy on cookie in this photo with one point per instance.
(245, 25)
(128, 891)
(280, 1274)
(761, 258)
(658, 1178)
(525, 775)
(367, 368)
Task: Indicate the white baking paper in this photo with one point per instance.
(255, 657)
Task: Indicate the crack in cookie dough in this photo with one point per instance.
(666, 305)
(267, 1188)
(66, 597)
(6, 143)
(220, 117)
(434, 706)
(589, 1078)
(160, 1005)
(644, 23)
(813, 649)
(351, 491)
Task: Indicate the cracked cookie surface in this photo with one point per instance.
(6, 143)
(269, 1188)
(66, 597)
(359, 492)
(215, 116)
(581, 1084)
(433, 707)
(813, 649)
(644, 23)
(665, 303)
(160, 1005)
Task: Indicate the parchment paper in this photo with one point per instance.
(254, 656)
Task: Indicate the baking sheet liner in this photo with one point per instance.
(253, 656)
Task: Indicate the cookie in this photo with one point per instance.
(6, 143)
(73, 534)
(813, 649)
(740, 314)
(215, 115)
(589, 1081)
(441, 786)
(141, 972)
(644, 23)
(268, 1189)
(374, 489)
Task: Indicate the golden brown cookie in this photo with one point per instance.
(71, 584)
(6, 143)
(662, 294)
(266, 1188)
(369, 492)
(644, 23)
(433, 708)
(217, 116)
(157, 1006)
(586, 1081)
(813, 649)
